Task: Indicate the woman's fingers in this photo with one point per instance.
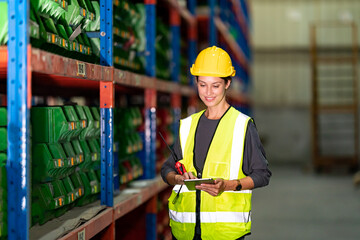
(179, 179)
(212, 189)
(191, 175)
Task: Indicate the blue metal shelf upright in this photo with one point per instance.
(106, 103)
(18, 96)
(150, 115)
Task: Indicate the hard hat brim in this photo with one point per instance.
(212, 74)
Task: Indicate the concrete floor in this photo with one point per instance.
(298, 205)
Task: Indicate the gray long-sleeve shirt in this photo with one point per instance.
(255, 164)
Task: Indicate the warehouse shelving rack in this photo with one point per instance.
(26, 67)
(334, 96)
(229, 27)
(25, 61)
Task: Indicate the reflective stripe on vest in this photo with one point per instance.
(225, 155)
(211, 217)
(184, 189)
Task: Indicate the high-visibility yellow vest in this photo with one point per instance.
(226, 216)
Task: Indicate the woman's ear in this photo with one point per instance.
(227, 85)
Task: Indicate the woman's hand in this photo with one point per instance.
(179, 179)
(213, 189)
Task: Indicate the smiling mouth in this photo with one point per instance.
(209, 99)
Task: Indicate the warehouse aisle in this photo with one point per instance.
(304, 206)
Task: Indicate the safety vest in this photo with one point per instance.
(226, 216)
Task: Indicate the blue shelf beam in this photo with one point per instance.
(150, 29)
(18, 95)
(192, 50)
(176, 111)
(106, 33)
(175, 44)
(106, 104)
(148, 159)
(107, 187)
(212, 29)
(149, 153)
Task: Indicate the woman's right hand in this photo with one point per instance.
(179, 179)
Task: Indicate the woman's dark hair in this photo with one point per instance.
(226, 79)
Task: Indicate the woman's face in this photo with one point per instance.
(211, 90)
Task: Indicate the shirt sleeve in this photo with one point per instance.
(255, 164)
(169, 164)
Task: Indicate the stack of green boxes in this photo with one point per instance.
(53, 21)
(3, 181)
(4, 23)
(162, 47)
(57, 19)
(129, 35)
(65, 159)
(127, 121)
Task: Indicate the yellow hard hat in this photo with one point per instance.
(214, 62)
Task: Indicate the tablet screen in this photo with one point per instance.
(191, 183)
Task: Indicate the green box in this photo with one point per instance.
(46, 198)
(3, 229)
(72, 117)
(49, 162)
(78, 151)
(71, 155)
(78, 184)
(3, 117)
(3, 186)
(4, 23)
(87, 121)
(136, 166)
(96, 152)
(59, 190)
(91, 187)
(122, 174)
(96, 115)
(3, 139)
(88, 155)
(72, 192)
(50, 125)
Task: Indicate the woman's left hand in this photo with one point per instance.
(213, 189)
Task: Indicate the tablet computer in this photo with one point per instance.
(191, 183)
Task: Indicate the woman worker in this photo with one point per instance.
(221, 143)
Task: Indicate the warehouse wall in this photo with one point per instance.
(282, 71)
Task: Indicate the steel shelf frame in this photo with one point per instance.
(192, 52)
